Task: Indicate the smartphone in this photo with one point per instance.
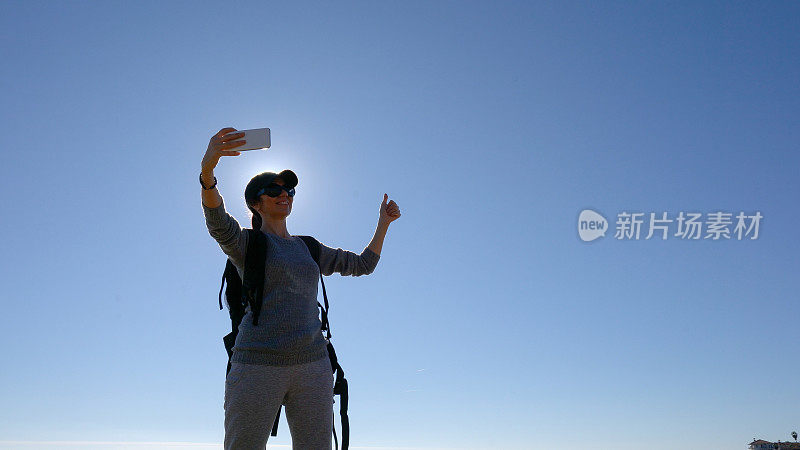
(257, 139)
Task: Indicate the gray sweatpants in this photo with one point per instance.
(254, 392)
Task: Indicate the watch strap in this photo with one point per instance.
(204, 186)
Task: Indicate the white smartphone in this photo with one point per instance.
(257, 139)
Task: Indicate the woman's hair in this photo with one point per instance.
(256, 221)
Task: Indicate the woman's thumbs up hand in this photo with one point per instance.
(389, 211)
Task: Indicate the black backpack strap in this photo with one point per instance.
(340, 389)
(254, 264)
(314, 248)
(277, 419)
(224, 274)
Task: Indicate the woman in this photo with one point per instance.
(284, 358)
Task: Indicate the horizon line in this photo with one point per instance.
(180, 444)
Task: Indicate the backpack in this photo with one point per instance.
(249, 291)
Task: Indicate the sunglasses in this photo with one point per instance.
(274, 190)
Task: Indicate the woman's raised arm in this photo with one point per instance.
(218, 147)
(388, 213)
(221, 225)
(348, 263)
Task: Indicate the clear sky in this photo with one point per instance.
(488, 323)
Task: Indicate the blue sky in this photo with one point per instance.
(487, 323)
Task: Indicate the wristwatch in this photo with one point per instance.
(204, 186)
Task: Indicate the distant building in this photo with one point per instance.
(760, 444)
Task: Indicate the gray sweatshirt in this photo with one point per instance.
(289, 330)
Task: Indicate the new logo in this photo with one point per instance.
(591, 225)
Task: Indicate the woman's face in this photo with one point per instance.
(276, 207)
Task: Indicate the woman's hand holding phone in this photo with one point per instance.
(220, 145)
